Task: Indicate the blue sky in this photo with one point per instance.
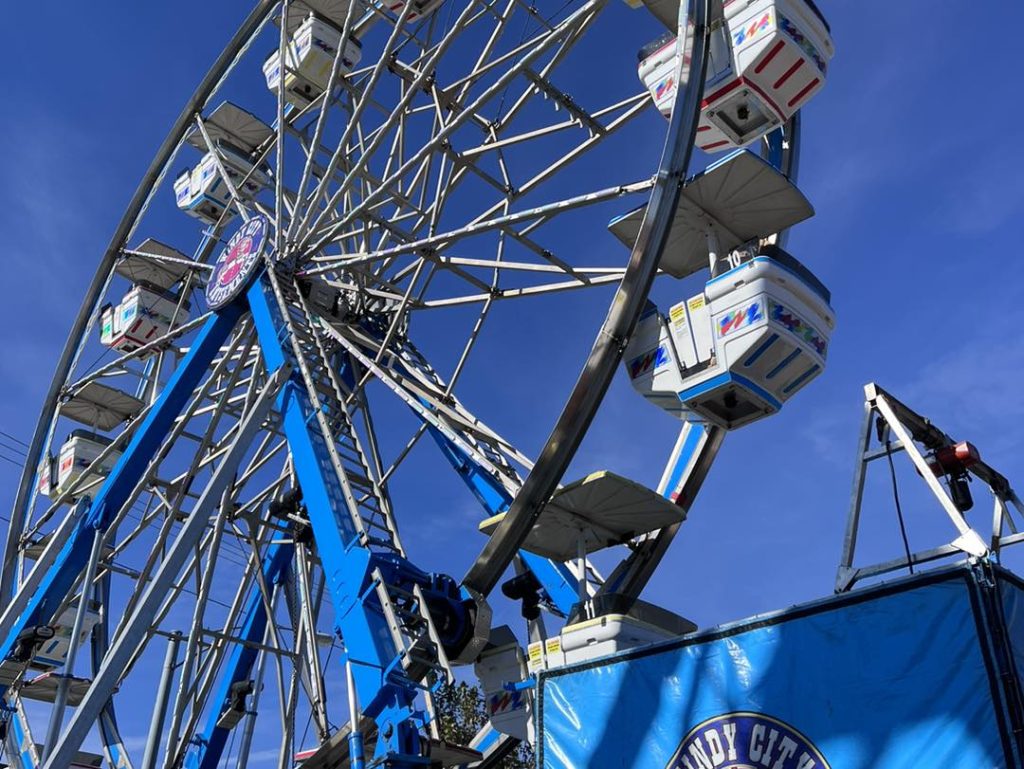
(911, 157)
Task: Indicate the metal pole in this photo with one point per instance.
(969, 540)
(313, 652)
(845, 571)
(156, 170)
(288, 727)
(581, 560)
(789, 162)
(356, 757)
(282, 63)
(625, 309)
(163, 696)
(135, 629)
(250, 720)
(57, 714)
(696, 449)
(713, 250)
(198, 615)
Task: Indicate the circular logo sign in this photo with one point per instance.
(746, 741)
(238, 262)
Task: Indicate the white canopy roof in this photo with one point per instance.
(101, 407)
(232, 124)
(155, 271)
(44, 688)
(667, 12)
(740, 197)
(607, 508)
(332, 11)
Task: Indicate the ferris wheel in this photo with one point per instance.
(206, 541)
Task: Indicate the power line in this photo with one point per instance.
(16, 440)
(17, 450)
(19, 465)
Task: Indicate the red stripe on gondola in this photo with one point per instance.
(803, 93)
(768, 59)
(722, 92)
(713, 145)
(768, 99)
(788, 74)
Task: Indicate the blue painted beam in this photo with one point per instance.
(555, 578)
(347, 565)
(21, 740)
(209, 745)
(113, 494)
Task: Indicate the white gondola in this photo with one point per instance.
(144, 315)
(760, 330)
(501, 663)
(774, 61)
(78, 452)
(45, 478)
(737, 351)
(312, 48)
(53, 652)
(202, 192)
(614, 625)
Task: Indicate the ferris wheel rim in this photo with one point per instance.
(141, 198)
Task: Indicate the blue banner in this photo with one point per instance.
(892, 678)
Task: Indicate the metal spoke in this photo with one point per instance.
(436, 171)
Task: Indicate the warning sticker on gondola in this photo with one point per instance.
(677, 314)
(739, 740)
(237, 263)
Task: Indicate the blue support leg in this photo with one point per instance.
(347, 564)
(555, 578)
(60, 579)
(209, 744)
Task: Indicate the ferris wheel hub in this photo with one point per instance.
(295, 335)
(239, 262)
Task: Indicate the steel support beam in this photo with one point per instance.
(348, 566)
(555, 578)
(211, 742)
(58, 581)
(694, 453)
(133, 632)
(626, 306)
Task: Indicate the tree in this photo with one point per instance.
(461, 712)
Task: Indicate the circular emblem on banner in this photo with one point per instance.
(238, 262)
(746, 741)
